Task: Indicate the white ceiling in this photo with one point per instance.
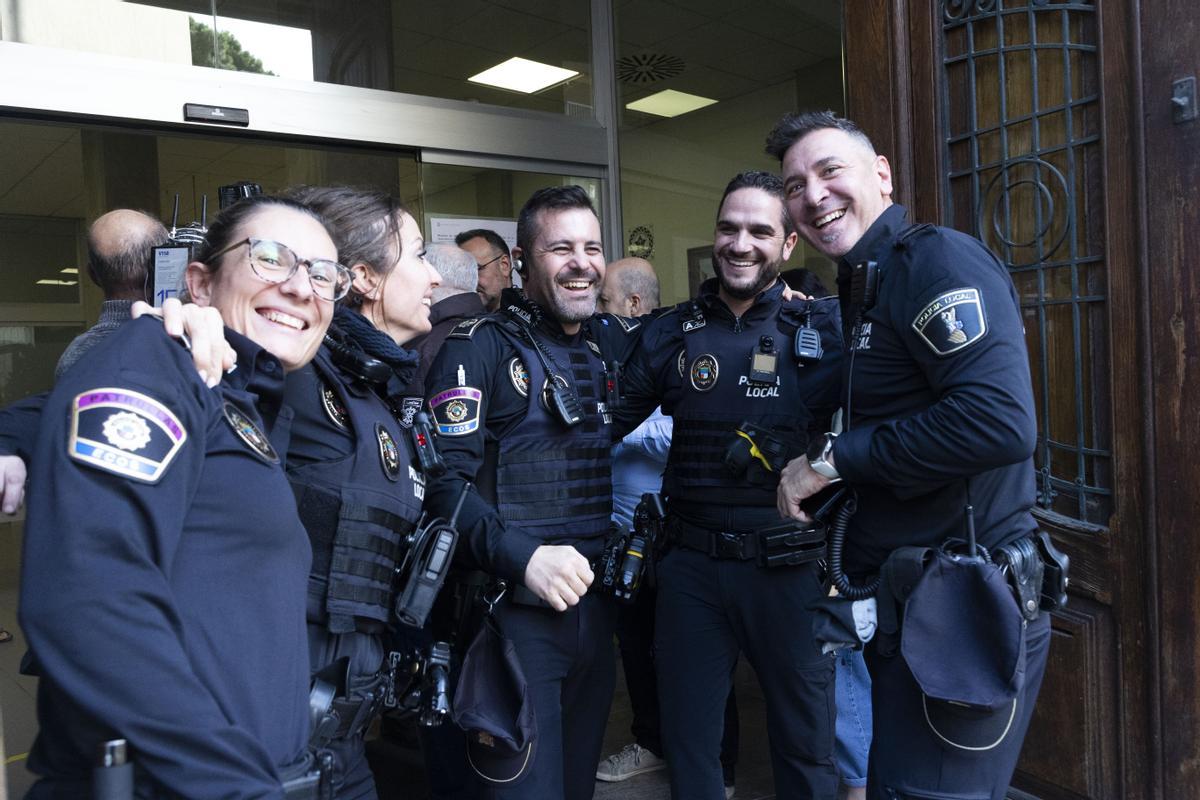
(730, 51)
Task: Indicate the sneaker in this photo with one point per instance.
(730, 790)
(632, 760)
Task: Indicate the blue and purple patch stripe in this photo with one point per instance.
(456, 411)
(144, 458)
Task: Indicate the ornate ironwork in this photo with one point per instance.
(1022, 136)
(961, 9)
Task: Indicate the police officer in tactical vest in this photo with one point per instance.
(519, 403)
(937, 450)
(747, 378)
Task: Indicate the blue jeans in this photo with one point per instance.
(853, 717)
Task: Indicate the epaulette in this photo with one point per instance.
(691, 316)
(911, 231)
(466, 328)
(627, 324)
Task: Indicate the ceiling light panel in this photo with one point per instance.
(523, 75)
(670, 103)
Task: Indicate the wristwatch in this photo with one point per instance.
(819, 451)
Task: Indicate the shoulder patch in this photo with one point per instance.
(466, 329)
(125, 433)
(628, 324)
(954, 320)
(407, 410)
(333, 405)
(249, 433)
(456, 411)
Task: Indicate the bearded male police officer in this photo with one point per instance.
(940, 414)
(726, 368)
(518, 400)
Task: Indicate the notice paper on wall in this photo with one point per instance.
(169, 265)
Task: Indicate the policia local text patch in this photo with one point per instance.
(952, 321)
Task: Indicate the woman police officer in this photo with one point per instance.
(350, 460)
(164, 571)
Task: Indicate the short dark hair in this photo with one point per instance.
(122, 265)
(794, 127)
(495, 240)
(551, 198)
(363, 223)
(804, 281)
(764, 181)
(222, 230)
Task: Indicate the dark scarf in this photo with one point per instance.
(376, 343)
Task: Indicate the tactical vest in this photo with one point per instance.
(552, 480)
(716, 396)
(357, 509)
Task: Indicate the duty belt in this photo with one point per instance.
(782, 545)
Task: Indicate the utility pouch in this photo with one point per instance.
(1022, 565)
(1056, 576)
(787, 545)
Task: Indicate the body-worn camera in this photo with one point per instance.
(425, 446)
(627, 552)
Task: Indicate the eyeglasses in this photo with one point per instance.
(276, 263)
(493, 261)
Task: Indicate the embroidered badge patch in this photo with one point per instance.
(518, 373)
(333, 406)
(952, 321)
(389, 454)
(456, 411)
(409, 406)
(125, 433)
(704, 372)
(249, 433)
(681, 363)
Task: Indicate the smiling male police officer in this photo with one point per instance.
(725, 367)
(519, 402)
(940, 413)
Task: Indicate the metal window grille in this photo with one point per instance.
(1021, 121)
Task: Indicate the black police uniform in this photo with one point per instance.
(359, 495)
(162, 589)
(539, 482)
(714, 600)
(940, 413)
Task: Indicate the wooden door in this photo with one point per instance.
(1014, 120)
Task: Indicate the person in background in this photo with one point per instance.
(494, 263)
(454, 300)
(120, 253)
